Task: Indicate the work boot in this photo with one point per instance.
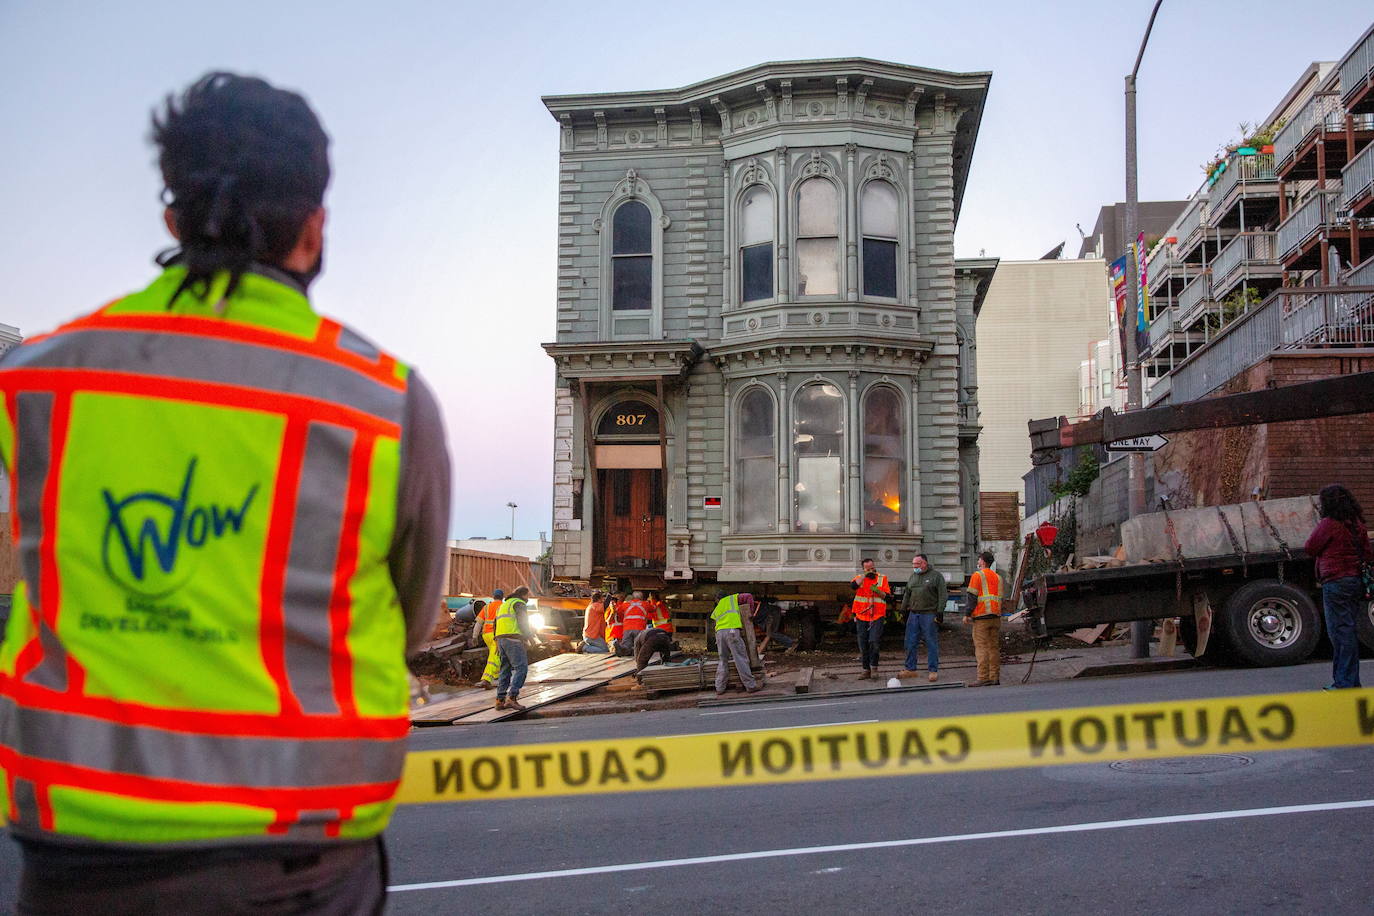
(905, 673)
(513, 703)
(755, 689)
(500, 702)
(934, 676)
(485, 684)
(792, 649)
(867, 675)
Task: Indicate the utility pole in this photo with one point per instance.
(1140, 629)
(513, 507)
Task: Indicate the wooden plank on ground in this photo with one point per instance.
(443, 712)
(804, 677)
(542, 695)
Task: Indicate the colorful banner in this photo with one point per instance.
(1142, 300)
(1118, 275)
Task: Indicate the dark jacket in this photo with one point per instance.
(1338, 548)
(925, 592)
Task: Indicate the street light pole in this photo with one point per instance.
(1140, 629)
(513, 507)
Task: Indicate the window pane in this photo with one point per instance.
(884, 460)
(756, 216)
(756, 272)
(817, 208)
(632, 283)
(880, 209)
(818, 267)
(631, 233)
(880, 268)
(756, 494)
(818, 442)
(756, 425)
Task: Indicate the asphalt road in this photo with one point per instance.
(1065, 838)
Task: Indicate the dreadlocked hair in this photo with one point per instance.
(244, 164)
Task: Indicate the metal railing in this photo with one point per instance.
(1193, 300)
(1191, 221)
(1160, 389)
(1357, 68)
(1323, 111)
(1302, 224)
(1160, 327)
(1259, 167)
(1363, 275)
(1245, 250)
(1241, 344)
(1161, 259)
(1358, 176)
(1328, 319)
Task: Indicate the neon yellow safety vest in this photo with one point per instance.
(506, 622)
(206, 645)
(726, 614)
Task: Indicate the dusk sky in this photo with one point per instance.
(442, 210)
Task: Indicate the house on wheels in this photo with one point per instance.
(765, 346)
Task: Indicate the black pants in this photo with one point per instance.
(348, 879)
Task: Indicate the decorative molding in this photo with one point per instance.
(842, 97)
(912, 98)
(770, 105)
(881, 169)
(724, 111)
(602, 135)
(620, 361)
(861, 97)
(662, 118)
(817, 165)
(754, 173)
(786, 88)
(569, 137)
(695, 112)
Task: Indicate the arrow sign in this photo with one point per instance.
(1138, 444)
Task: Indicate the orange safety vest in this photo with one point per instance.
(636, 616)
(658, 613)
(867, 605)
(488, 616)
(986, 586)
(614, 628)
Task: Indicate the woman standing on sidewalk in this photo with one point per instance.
(1338, 544)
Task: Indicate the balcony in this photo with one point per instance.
(1313, 144)
(1191, 227)
(1312, 320)
(1159, 390)
(1239, 345)
(1303, 225)
(1249, 257)
(1194, 301)
(1161, 327)
(1357, 182)
(1357, 74)
(1246, 192)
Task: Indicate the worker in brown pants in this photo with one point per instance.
(983, 609)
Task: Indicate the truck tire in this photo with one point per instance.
(1364, 625)
(1268, 623)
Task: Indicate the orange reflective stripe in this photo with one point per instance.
(272, 627)
(243, 397)
(346, 564)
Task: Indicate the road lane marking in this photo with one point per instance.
(892, 844)
(781, 728)
(764, 708)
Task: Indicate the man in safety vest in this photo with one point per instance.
(484, 626)
(513, 636)
(615, 628)
(871, 591)
(659, 617)
(594, 625)
(730, 640)
(231, 516)
(983, 609)
(635, 617)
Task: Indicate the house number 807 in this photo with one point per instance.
(630, 419)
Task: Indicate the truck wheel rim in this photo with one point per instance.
(1275, 623)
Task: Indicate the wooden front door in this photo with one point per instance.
(630, 533)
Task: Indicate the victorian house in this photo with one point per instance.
(765, 346)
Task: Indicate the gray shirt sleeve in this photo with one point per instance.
(419, 546)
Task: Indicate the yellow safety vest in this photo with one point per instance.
(726, 614)
(506, 622)
(206, 645)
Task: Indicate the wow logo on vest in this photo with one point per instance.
(151, 538)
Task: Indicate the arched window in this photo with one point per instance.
(884, 461)
(756, 244)
(818, 453)
(879, 210)
(756, 463)
(632, 258)
(818, 238)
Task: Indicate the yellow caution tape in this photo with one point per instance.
(902, 748)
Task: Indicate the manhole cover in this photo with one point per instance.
(1183, 766)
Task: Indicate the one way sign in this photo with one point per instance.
(1138, 444)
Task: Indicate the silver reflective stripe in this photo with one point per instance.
(261, 763)
(206, 359)
(310, 567)
(354, 342)
(26, 801)
(34, 437)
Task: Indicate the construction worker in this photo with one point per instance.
(652, 641)
(594, 625)
(486, 620)
(923, 598)
(871, 591)
(658, 614)
(635, 617)
(730, 641)
(983, 610)
(615, 627)
(513, 637)
(231, 517)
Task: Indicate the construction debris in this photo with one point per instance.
(549, 681)
(693, 675)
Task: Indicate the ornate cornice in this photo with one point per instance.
(624, 360)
